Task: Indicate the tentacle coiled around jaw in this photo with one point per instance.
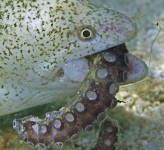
(96, 94)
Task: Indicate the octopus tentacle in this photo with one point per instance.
(107, 136)
(96, 94)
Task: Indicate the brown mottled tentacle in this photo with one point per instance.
(97, 94)
(107, 136)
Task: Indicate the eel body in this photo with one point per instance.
(39, 37)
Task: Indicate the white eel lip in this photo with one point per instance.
(136, 69)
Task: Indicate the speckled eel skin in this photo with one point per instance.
(55, 49)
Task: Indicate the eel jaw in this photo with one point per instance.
(136, 69)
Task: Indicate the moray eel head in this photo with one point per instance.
(93, 30)
(38, 37)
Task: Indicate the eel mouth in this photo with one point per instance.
(136, 69)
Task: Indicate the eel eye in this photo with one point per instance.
(86, 33)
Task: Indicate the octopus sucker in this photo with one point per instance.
(107, 136)
(96, 95)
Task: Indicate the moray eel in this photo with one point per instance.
(40, 38)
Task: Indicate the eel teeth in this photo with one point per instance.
(96, 94)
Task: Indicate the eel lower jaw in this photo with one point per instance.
(136, 69)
